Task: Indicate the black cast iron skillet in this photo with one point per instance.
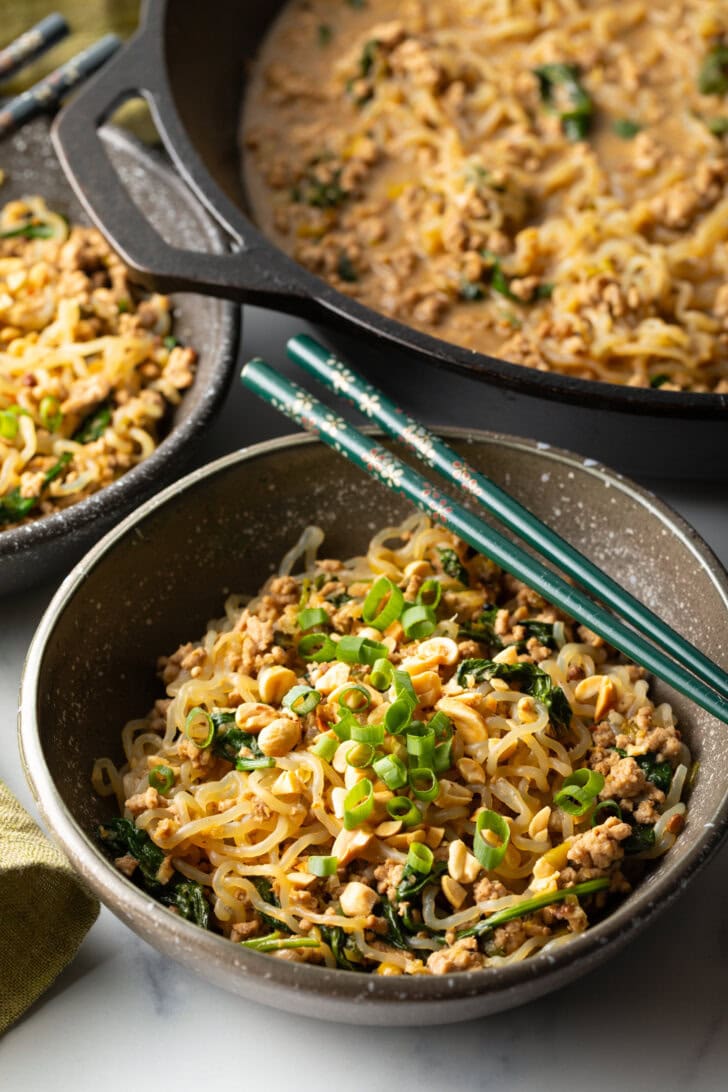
(190, 62)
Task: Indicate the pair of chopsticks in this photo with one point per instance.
(666, 654)
(49, 91)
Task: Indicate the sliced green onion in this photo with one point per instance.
(199, 727)
(421, 744)
(274, 942)
(360, 755)
(420, 858)
(254, 762)
(360, 650)
(358, 803)
(713, 75)
(442, 758)
(325, 746)
(403, 688)
(424, 783)
(50, 414)
(8, 424)
(430, 593)
(301, 700)
(398, 716)
(161, 778)
(344, 725)
(490, 856)
(609, 806)
(383, 604)
(317, 647)
(405, 810)
(392, 771)
(579, 791)
(367, 733)
(441, 725)
(313, 616)
(381, 675)
(418, 622)
(355, 697)
(323, 866)
(537, 902)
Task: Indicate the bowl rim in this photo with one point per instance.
(136, 481)
(538, 974)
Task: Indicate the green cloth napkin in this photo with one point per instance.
(44, 911)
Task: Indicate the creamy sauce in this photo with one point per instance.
(542, 181)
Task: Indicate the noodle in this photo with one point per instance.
(256, 829)
(86, 373)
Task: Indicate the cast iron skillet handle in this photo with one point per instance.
(245, 275)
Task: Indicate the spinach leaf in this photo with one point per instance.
(543, 631)
(345, 268)
(265, 889)
(659, 773)
(713, 75)
(500, 283)
(318, 188)
(188, 898)
(412, 883)
(14, 507)
(395, 933)
(453, 566)
(345, 952)
(626, 128)
(642, 838)
(228, 744)
(533, 680)
(338, 600)
(562, 94)
(555, 700)
(482, 627)
(94, 426)
(122, 836)
(483, 670)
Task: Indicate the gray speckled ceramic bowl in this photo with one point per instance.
(37, 550)
(156, 579)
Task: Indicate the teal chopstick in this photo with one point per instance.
(339, 376)
(368, 455)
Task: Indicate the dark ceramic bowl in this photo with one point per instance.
(40, 549)
(156, 579)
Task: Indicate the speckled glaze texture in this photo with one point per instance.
(157, 578)
(37, 550)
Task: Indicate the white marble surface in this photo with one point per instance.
(123, 1017)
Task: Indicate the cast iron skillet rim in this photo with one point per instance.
(552, 385)
(134, 482)
(117, 891)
